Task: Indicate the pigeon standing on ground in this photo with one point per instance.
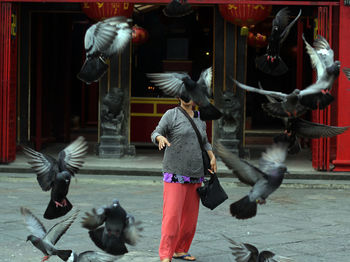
(271, 63)
(244, 252)
(181, 85)
(119, 228)
(322, 58)
(56, 174)
(102, 40)
(264, 179)
(177, 8)
(91, 256)
(44, 240)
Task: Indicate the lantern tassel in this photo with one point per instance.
(244, 30)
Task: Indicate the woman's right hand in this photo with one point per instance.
(162, 142)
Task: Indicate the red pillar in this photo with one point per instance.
(342, 161)
(8, 82)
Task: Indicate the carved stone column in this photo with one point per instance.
(114, 108)
(230, 62)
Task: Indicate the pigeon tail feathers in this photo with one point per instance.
(53, 212)
(243, 208)
(276, 68)
(92, 70)
(209, 112)
(64, 254)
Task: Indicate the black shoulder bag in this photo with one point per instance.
(211, 193)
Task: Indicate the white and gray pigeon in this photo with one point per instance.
(181, 85)
(91, 256)
(119, 228)
(264, 179)
(322, 59)
(271, 63)
(44, 240)
(102, 40)
(55, 175)
(244, 252)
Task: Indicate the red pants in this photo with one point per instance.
(180, 214)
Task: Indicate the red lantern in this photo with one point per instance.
(245, 15)
(139, 35)
(99, 11)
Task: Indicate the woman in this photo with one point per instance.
(182, 175)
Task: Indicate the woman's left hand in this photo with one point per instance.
(213, 164)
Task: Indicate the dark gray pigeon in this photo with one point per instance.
(322, 59)
(177, 8)
(56, 174)
(119, 228)
(46, 241)
(91, 256)
(271, 63)
(181, 85)
(244, 252)
(264, 179)
(102, 40)
(347, 72)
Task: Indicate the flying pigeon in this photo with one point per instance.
(91, 256)
(181, 85)
(177, 8)
(293, 105)
(102, 40)
(322, 59)
(347, 72)
(56, 174)
(119, 228)
(244, 252)
(298, 127)
(271, 63)
(44, 240)
(264, 179)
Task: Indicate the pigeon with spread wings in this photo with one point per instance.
(44, 240)
(264, 179)
(56, 174)
(322, 59)
(181, 85)
(119, 228)
(271, 63)
(102, 40)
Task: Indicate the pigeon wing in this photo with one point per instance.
(275, 94)
(267, 256)
(288, 27)
(171, 84)
(242, 252)
(58, 230)
(123, 36)
(281, 19)
(308, 129)
(324, 50)
(33, 223)
(94, 219)
(315, 59)
(72, 157)
(132, 230)
(94, 256)
(245, 172)
(347, 72)
(205, 80)
(99, 37)
(44, 166)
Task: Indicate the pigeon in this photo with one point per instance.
(271, 63)
(293, 105)
(177, 8)
(299, 127)
(322, 58)
(264, 179)
(56, 174)
(119, 228)
(44, 240)
(181, 85)
(102, 40)
(347, 72)
(91, 256)
(244, 252)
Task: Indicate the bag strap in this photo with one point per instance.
(194, 127)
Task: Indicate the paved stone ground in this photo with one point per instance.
(305, 220)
